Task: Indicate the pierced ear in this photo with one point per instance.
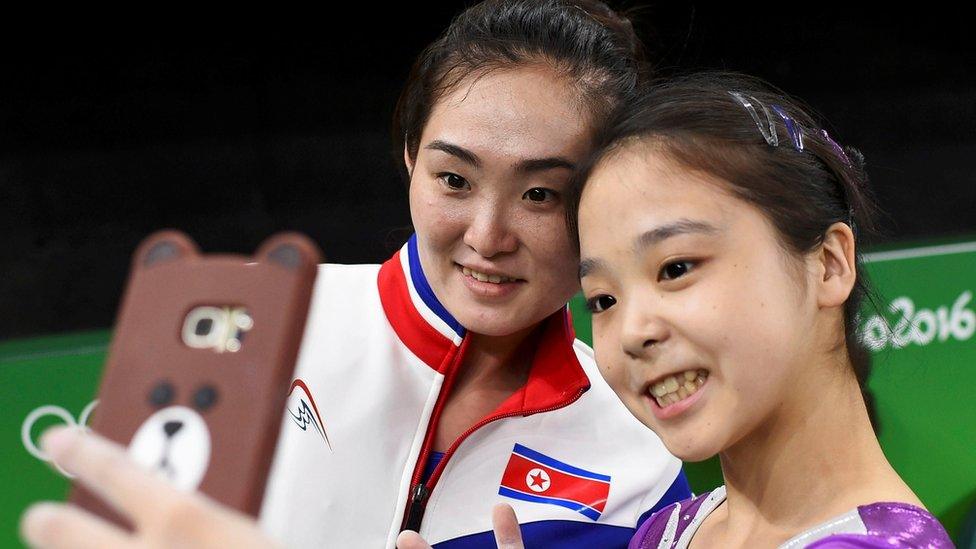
(837, 266)
(163, 247)
(294, 251)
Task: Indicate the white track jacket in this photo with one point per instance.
(376, 363)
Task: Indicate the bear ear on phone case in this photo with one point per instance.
(200, 363)
(162, 247)
(289, 250)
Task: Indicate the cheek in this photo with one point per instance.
(435, 221)
(605, 360)
(553, 249)
(610, 359)
(748, 330)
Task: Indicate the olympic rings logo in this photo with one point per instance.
(59, 412)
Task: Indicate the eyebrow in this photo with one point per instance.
(664, 232)
(589, 266)
(542, 164)
(459, 152)
(529, 165)
(649, 238)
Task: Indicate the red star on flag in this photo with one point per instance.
(538, 480)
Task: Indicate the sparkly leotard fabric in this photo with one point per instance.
(883, 524)
(891, 525)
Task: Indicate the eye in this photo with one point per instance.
(162, 394)
(454, 181)
(539, 195)
(205, 397)
(675, 269)
(600, 303)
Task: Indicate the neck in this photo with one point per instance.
(498, 360)
(810, 460)
(494, 368)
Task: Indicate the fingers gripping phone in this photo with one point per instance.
(198, 369)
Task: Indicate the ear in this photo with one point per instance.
(163, 247)
(836, 266)
(293, 251)
(407, 161)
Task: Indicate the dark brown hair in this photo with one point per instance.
(698, 123)
(583, 39)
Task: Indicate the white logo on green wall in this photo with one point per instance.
(58, 412)
(922, 326)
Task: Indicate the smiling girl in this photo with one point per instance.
(719, 230)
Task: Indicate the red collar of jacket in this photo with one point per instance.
(433, 335)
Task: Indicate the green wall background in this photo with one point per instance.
(923, 379)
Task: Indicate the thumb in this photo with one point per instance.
(408, 539)
(506, 526)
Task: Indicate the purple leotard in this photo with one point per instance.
(891, 525)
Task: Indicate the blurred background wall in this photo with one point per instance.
(231, 131)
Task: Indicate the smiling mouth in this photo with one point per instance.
(677, 387)
(489, 278)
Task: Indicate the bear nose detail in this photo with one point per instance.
(171, 427)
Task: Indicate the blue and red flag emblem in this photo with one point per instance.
(536, 477)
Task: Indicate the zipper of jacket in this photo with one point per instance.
(417, 502)
(420, 492)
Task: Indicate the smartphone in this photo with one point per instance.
(198, 370)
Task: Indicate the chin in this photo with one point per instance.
(495, 323)
(494, 328)
(693, 455)
(688, 446)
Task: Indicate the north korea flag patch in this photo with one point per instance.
(536, 477)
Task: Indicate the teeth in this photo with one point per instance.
(671, 384)
(678, 387)
(494, 279)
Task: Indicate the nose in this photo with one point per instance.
(171, 427)
(490, 232)
(643, 329)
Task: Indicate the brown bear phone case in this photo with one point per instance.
(198, 370)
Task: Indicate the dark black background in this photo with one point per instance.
(233, 128)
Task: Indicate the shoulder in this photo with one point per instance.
(883, 524)
(668, 524)
(891, 524)
(343, 295)
(677, 522)
(341, 270)
(333, 278)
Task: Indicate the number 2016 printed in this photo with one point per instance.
(920, 327)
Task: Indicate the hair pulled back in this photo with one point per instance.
(697, 121)
(584, 40)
